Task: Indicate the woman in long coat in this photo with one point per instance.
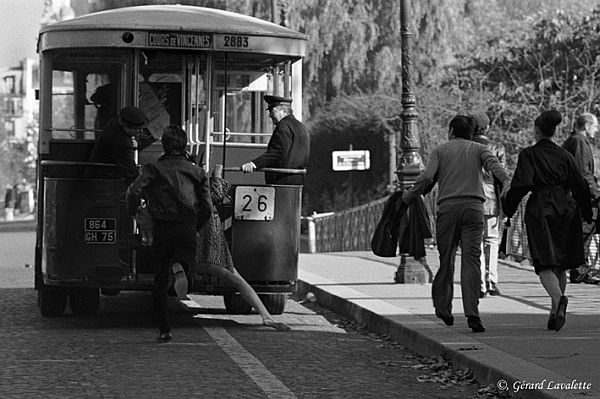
(559, 199)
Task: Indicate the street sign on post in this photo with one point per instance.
(351, 160)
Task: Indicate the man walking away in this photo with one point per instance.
(456, 166)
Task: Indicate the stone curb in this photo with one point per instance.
(18, 226)
(489, 365)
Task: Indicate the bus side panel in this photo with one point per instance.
(267, 251)
(85, 240)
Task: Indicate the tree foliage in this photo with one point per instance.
(511, 58)
(556, 65)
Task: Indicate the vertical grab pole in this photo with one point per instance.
(196, 102)
(209, 113)
(225, 110)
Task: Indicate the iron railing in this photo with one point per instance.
(352, 229)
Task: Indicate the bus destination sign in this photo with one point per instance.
(180, 40)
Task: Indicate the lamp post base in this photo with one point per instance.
(413, 271)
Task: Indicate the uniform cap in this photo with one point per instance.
(274, 101)
(133, 116)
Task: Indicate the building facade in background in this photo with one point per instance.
(18, 106)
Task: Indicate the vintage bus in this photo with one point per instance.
(204, 69)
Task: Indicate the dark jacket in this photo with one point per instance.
(577, 144)
(289, 147)
(402, 225)
(115, 146)
(559, 200)
(176, 190)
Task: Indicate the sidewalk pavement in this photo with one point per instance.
(21, 222)
(516, 352)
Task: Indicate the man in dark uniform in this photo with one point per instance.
(578, 144)
(117, 143)
(289, 146)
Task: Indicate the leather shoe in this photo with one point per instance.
(493, 291)
(165, 337)
(481, 294)
(561, 313)
(552, 322)
(474, 322)
(447, 319)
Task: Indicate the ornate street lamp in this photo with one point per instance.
(410, 163)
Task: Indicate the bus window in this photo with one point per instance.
(62, 105)
(244, 118)
(172, 90)
(196, 101)
(85, 93)
(160, 89)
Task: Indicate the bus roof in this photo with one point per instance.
(170, 17)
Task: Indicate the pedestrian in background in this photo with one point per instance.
(559, 199)
(456, 166)
(17, 188)
(289, 146)
(491, 209)
(9, 203)
(178, 198)
(579, 144)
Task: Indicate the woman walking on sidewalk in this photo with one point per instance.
(560, 198)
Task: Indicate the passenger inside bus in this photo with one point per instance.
(117, 144)
(104, 101)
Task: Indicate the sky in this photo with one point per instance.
(19, 27)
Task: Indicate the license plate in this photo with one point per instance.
(254, 203)
(100, 231)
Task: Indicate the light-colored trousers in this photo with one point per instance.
(489, 252)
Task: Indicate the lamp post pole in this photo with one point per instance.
(410, 163)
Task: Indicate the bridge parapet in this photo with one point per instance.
(352, 229)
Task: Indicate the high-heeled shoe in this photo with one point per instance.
(561, 313)
(552, 322)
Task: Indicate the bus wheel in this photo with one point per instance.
(275, 303)
(52, 301)
(84, 301)
(234, 304)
